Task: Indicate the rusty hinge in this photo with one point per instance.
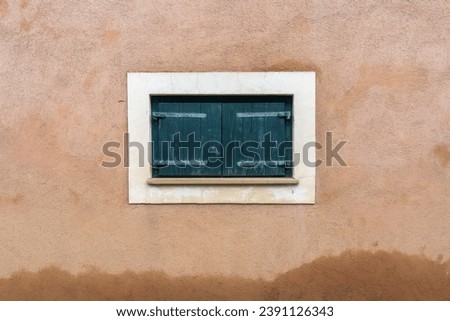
(161, 115)
(281, 114)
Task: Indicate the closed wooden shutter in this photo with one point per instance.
(261, 125)
(190, 124)
(238, 128)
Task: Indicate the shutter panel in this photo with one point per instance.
(250, 123)
(180, 126)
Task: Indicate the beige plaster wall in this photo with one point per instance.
(383, 81)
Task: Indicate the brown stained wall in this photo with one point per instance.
(349, 276)
(382, 83)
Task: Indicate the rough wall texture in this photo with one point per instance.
(383, 84)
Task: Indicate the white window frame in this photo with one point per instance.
(301, 85)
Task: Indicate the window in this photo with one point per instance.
(221, 137)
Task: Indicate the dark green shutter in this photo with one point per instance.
(237, 123)
(189, 121)
(249, 122)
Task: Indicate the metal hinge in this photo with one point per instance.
(181, 163)
(264, 163)
(161, 115)
(281, 114)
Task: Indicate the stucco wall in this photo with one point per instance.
(382, 84)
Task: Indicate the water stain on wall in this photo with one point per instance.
(74, 197)
(25, 25)
(442, 153)
(24, 4)
(90, 78)
(352, 275)
(4, 8)
(110, 36)
(15, 199)
(394, 79)
(300, 23)
(289, 65)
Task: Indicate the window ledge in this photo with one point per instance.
(223, 181)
